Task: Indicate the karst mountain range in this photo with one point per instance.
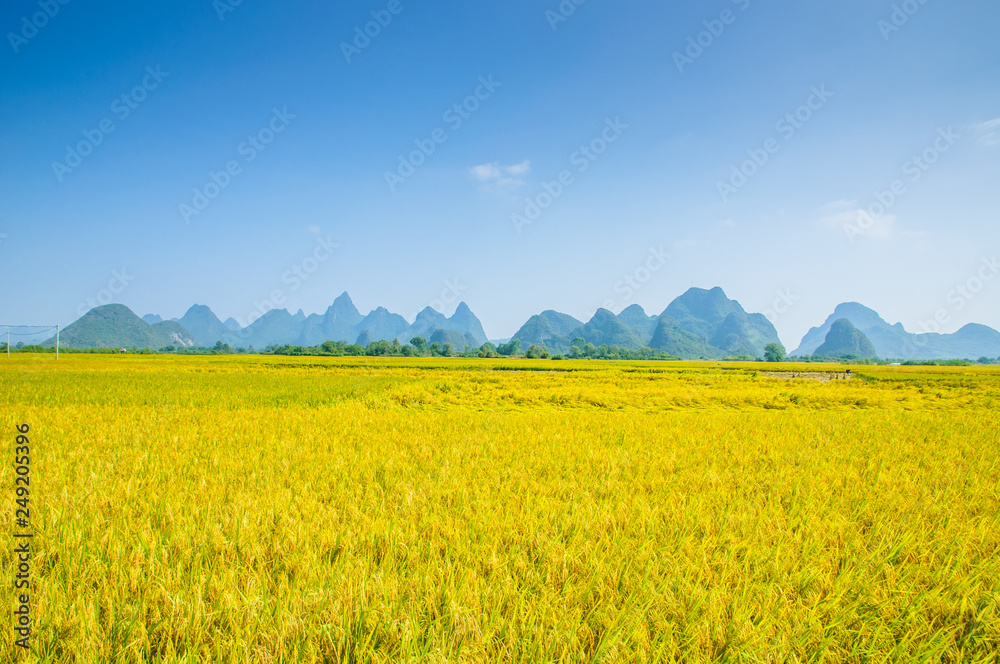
(700, 324)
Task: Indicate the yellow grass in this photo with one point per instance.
(344, 510)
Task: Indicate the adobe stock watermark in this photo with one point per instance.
(363, 35)
(450, 295)
(249, 150)
(120, 280)
(633, 282)
(33, 23)
(704, 40)
(786, 127)
(454, 117)
(913, 168)
(900, 16)
(293, 278)
(783, 303)
(962, 294)
(562, 13)
(223, 7)
(581, 160)
(121, 107)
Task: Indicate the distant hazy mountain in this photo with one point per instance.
(845, 340)
(670, 338)
(276, 327)
(700, 323)
(458, 340)
(721, 322)
(173, 333)
(115, 326)
(972, 341)
(464, 321)
(894, 342)
(207, 329)
(605, 329)
(636, 319)
(427, 323)
(339, 323)
(550, 329)
(383, 325)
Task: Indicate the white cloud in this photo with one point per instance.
(989, 132)
(852, 221)
(315, 230)
(519, 169)
(494, 172)
(486, 172)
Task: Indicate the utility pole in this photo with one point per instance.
(57, 342)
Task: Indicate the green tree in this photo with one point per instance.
(379, 349)
(511, 348)
(774, 353)
(420, 344)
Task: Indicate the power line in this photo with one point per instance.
(39, 329)
(30, 334)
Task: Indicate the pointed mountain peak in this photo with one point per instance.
(430, 313)
(602, 315)
(198, 310)
(860, 315)
(853, 307)
(633, 310)
(343, 309)
(343, 303)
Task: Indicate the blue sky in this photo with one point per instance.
(804, 154)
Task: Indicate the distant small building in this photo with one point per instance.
(122, 351)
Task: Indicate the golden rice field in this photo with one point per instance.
(226, 509)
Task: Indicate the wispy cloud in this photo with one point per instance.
(500, 178)
(519, 169)
(847, 217)
(486, 172)
(989, 132)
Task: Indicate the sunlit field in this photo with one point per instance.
(217, 509)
